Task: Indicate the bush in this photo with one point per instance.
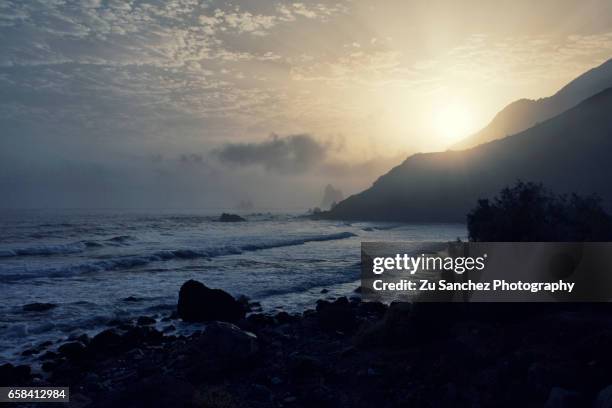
(529, 212)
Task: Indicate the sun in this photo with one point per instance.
(452, 122)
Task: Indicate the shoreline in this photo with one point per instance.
(344, 353)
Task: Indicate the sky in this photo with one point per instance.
(204, 104)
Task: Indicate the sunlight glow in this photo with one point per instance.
(453, 122)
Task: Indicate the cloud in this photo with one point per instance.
(293, 153)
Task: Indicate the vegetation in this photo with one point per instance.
(530, 212)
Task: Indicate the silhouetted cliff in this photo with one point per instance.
(570, 153)
(525, 113)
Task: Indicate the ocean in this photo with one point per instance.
(97, 266)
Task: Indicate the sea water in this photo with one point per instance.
(97, 266)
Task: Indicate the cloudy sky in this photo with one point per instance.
(195, 103)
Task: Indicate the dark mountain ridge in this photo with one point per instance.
(525, 113)
(571, 152)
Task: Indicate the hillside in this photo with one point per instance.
(568, 153)
(524, 113)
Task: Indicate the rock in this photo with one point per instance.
(38, 307)
(244, 301)
(337, 315)
(284, 317)
(29, 352)
(45, 344)
(49, 366)
(222, 348)
(406, 324)
(218, 396)
(539, 377)
(324, 291)
(198, 303)
(259, 320)
(302, 366)
(374, 308)
(136, 336)
(132, 299)
(562, 398)
(226, 217)
(115, 322)
(364, 290)
(72, 350)
(145, 321)
(431, 319)
(104, 341)
(11, 375)
(159, 390)
(79, 401)
(604, 398)
(49, 355)
(84, 338)
(225, 339)
(135, 354)
(169, 328)
(260, 392)
(393, 329)
(398, 317)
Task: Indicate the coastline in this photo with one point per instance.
(344, 353)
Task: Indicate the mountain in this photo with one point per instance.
(571, 152)
(525, 113)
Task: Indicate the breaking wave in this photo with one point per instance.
(129, 262)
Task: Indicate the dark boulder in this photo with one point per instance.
(104, 341)
(145, 321)
(72, 350)
(301, 366)
(11, 375)
(159, 390)
(338, 315)
(45, 344)
(373, 308)
(225, 217)
(49, 355)
(284, 317)
(199, 303)
(604, 398)
(136, 336)
(221, 349)
(259, 320)
(393, 329)
(562, 398)
(224, 339)
(38, 307)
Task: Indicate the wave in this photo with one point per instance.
(63, 249)
(57, 249)
(298, 241)
(120, 238)
(130, 262)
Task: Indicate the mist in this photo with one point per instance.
(48, 169)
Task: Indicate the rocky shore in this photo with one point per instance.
(344, 353)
